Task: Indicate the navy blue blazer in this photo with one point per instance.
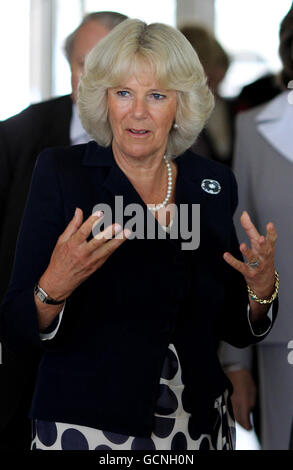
(102, 368)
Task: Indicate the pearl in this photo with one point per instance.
(169, 188)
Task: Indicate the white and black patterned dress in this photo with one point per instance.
(173, 426)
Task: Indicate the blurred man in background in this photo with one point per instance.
(22, 138)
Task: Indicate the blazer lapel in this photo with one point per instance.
(274, 123)
(111, 180)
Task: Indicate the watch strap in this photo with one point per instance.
(45, 298)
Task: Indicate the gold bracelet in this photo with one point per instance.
(254, 297)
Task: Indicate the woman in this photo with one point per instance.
(130, 325)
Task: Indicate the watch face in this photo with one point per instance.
(41, 296)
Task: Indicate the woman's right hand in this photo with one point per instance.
(74, 259)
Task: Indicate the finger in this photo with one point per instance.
(248, 253)
(262, 248)
(85, 229)
(257, 252)
(104, 250)
(236, 263)
(271, 235)
(248, 226)
(259, 247)
(103, 236)
(73, 226)
(114, 230)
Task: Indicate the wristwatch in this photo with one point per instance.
(44, 297)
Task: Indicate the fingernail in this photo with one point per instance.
(117, 228)
(98, 213)
(76, 212)
(127, 232)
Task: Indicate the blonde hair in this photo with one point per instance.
(176, 67)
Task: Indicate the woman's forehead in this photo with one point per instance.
(140, 78)
(141, 72)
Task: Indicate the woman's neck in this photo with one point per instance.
(149, 176)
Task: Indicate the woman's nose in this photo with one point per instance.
(139, 108)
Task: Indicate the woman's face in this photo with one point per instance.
(141, 115)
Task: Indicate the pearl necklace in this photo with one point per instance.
(169, 189)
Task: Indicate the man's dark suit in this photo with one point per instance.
(22, 138)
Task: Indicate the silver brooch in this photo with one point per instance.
(211, 186)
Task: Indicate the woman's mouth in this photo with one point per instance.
(138, 132)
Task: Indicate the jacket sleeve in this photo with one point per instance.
(42, 224)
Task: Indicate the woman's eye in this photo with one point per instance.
(123, 93)
(158, 96)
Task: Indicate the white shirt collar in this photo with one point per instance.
(77, 133)
(275, 123)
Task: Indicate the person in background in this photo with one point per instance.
(264, 170)
(216, 139)
(258, 92)
(22, 137)
(127, 316)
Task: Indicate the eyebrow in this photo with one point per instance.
(158, 90)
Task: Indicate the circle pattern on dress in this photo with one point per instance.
(179, 442)
(115, 437)
(205, 444)
(163, 427)
(167, 402)
(46, 432)
(141, 443)
(72, 439)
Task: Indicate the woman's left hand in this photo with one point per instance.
(259, 270)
